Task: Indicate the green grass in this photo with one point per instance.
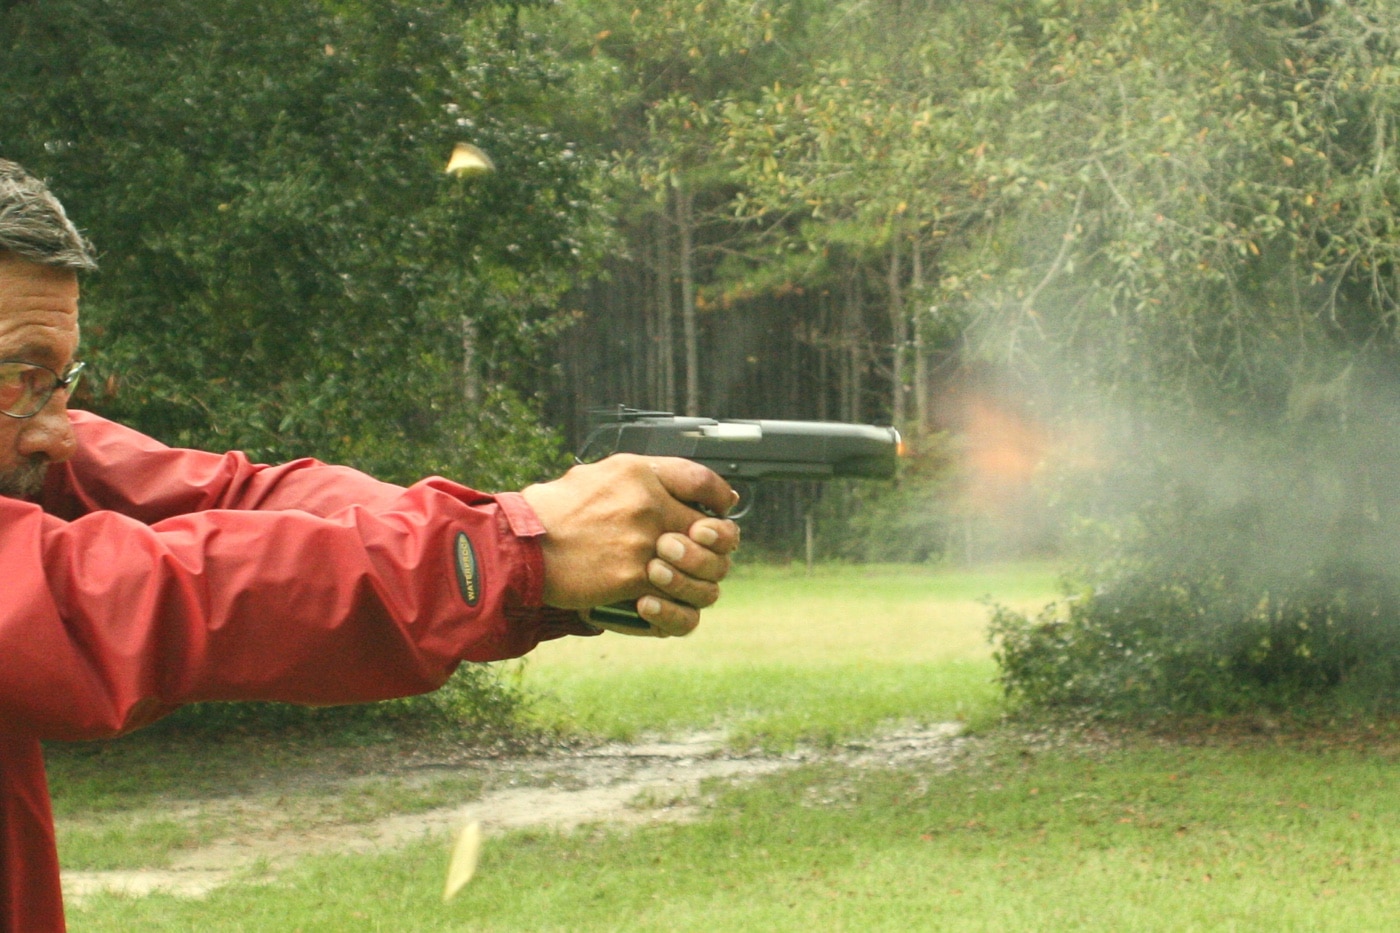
(775, 706)
(107, 844)
(1148, 838)
(787, 657)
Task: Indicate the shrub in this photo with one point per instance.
(1157, 629)
(479, 699)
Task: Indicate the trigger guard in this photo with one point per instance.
(746, 499)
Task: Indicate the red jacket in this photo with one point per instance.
(150, 577)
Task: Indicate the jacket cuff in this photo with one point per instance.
(524, 526)
(544, 622)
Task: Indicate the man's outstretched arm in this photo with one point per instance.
(112, 620)
(620, 526)
(109, 622)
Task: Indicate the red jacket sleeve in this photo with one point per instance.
(167, 577)
(121, 470)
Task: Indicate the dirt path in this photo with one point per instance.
(618, 784)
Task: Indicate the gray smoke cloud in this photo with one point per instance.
(1302, 481)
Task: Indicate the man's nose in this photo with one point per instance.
(49, 433)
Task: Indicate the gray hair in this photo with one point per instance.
(34, 226)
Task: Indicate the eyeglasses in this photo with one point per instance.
(25, 388)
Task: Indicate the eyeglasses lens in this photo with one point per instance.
(25, 388)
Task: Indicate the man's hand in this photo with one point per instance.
(621, 528)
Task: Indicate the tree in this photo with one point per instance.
(861, 173)
(657, 76)
(1225, 277)
(287, 269)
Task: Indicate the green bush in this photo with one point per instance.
(479, 700)
(1158, 628)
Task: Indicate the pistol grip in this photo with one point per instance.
(623, 614)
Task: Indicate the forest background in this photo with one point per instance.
(1124, 275)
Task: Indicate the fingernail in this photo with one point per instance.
(649, 605)
(671, 549)
(659, 574)
(705, 535)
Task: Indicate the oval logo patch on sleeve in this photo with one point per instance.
(468, 576)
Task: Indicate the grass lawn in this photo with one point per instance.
(1027, 832)
(788, 657)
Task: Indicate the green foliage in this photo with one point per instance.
(652, 81)
(1179, 206)
(478, 701)
(1153, 640)
(1185, 188)
(1155, 196)
(660, 72)
(286, 268)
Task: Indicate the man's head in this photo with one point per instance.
(41, 254)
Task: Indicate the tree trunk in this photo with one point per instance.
(471, 379)
(899, 332)
(854, 341)
(665, 382)
(685, 226)
(920, 354)
(822, 342)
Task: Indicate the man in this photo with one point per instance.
(137, 578)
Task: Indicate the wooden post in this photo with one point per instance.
(810, 524)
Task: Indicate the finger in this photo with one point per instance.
(668, 618)
(679, 587)
(717, 534)
(684, 555)
(687, 481)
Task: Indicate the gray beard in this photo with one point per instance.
(24, 482)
